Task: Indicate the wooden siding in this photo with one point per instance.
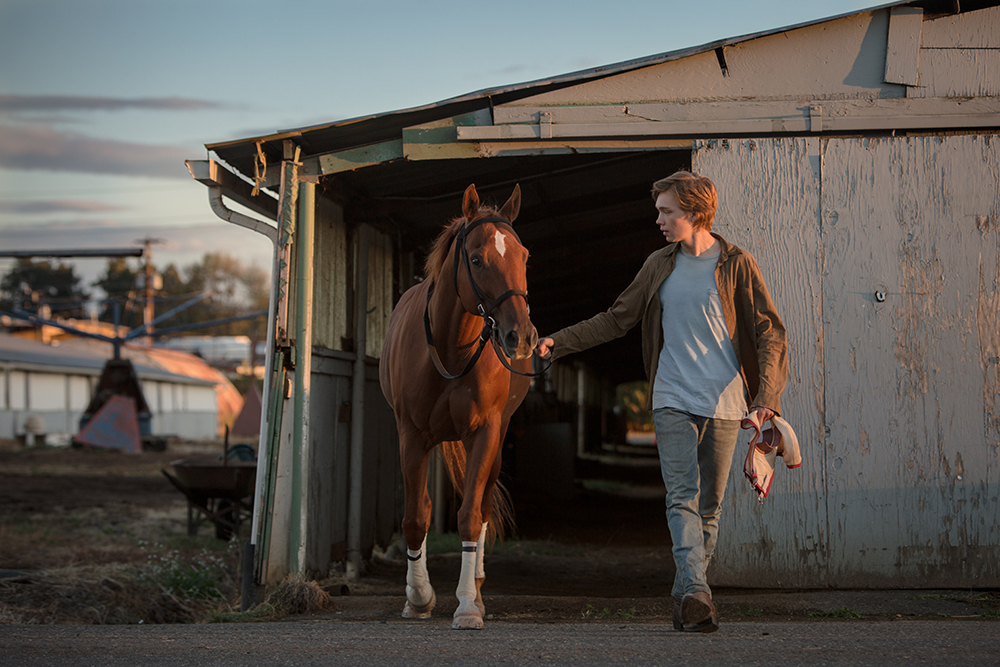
(329, 464)
(769, 204)
(381, 272)
(896, 402)
(331, 316)
(850, 64)
(960, 55)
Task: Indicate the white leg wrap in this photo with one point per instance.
(416, 567)
(467, 616)
(480, 552)
(467, 579)
(420, 596)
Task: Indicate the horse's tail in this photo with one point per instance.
(502, 520)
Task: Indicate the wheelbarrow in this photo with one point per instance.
(217, 491)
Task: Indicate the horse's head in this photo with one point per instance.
(491, 269)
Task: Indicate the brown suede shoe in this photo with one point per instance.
(698, 613)
(678, 620)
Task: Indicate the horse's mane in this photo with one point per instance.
(442, 244)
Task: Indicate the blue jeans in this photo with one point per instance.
(695, 456)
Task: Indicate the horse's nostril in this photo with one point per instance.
(512, 339)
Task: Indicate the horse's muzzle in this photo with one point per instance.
(517, 346)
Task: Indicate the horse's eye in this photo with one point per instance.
(477, 262)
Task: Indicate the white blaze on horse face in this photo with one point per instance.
(501, 243)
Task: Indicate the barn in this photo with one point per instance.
(45, 389)
(857, 158)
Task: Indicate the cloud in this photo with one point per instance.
(48, 103)
(180, 244)
(54, 206)
(43, 147)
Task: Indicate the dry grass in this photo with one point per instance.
(101, 537)
(94, 595)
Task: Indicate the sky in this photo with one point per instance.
(101, 101)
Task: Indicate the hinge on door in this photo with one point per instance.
(545, 125)
(815, 118)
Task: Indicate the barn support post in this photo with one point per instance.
(269, 564)
(305, 236)
(207, 173)
(356, 483)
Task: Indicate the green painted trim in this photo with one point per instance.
(365, 156)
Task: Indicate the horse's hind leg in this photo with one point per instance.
(420, 597)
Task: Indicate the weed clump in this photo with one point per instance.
(295, 595)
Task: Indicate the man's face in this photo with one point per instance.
(675, 224)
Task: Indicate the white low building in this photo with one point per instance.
(51, 385)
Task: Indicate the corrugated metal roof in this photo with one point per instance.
(87, 358)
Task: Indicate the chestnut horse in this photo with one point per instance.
(445, 390)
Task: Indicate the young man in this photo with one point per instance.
(712, 342)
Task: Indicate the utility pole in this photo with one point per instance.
(147, 312)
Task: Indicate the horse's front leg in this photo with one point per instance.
(472, 528)
(487, 514)
(420, 597)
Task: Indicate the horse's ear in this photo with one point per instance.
(470, 202)
(513, 205)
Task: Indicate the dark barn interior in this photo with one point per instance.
(587, 220)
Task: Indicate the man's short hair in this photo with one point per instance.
(695, 194)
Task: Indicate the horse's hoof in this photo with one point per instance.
(411, 610)
(467, 621)
(468, 615)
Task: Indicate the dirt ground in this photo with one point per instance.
(74, 515)
(95, 536)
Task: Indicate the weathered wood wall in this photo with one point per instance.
(895, 401)
(330, 410)
(330, 436)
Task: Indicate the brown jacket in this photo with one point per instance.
(755, 329)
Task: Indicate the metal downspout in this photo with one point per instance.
(229, 215)
(304, 241)
(353, 565)
(247, 565)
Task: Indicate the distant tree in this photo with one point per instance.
(236, 289)
(173, 283)
(32, 284)
(118, 284)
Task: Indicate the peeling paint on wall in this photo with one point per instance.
(885, 265)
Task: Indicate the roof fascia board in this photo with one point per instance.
(212, 173)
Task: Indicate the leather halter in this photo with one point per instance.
(484, 305)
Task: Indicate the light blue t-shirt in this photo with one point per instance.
(698, 372)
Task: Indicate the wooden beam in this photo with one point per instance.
(355, 158)
(436, 141)
(626, 123)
